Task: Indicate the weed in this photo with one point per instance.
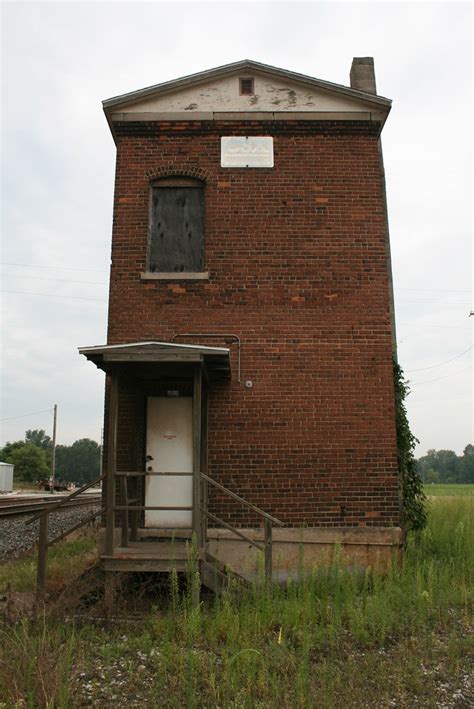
(335, 637)
(65, 561)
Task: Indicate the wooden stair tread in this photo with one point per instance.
(151, 550)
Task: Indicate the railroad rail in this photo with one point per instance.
(13, 507)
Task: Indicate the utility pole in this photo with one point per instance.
(53, 453)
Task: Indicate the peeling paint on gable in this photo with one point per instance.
(270, 94)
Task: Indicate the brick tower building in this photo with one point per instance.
(250, 331)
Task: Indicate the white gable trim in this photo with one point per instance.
(153, 344)
(126, 117)
(236, 67)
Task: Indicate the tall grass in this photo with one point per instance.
(65, 561)
(246, 643)
(447, 489)
(35, 665)
(337, 636)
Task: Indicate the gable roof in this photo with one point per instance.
(279, 94)
(245, 64)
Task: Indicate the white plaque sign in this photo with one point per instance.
(241, 151)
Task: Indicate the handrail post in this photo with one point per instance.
(268, 552)
(134, 521)
(204, 504)
(197, 463)
(42, 556)
(124, 496)
(111, 465)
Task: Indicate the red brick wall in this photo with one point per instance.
(297, 257)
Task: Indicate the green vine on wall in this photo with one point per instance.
(414, 498)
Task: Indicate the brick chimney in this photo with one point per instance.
(363, 75)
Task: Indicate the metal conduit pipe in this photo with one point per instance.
(230, 339)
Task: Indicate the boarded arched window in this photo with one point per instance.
(176, 225)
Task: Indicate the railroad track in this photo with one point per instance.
(13, 507)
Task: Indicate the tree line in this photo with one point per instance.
(78, 463)
(444, 466)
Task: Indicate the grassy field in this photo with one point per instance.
(449, 490)
(339, 638)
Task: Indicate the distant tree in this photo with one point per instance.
(63, 463)
(467, 464)
(79, 463)
(30, 462)
(39, 438)
(445, 462)
(8, 448)
(448, 465)
(431, 476)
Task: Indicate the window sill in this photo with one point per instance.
(174, 276)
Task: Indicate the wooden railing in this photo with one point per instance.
(129, 507)
(201, 514)
(129, 510)
(268, 522)
(44, 543)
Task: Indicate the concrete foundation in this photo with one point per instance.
(297, 550)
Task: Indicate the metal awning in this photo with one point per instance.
(108, 357)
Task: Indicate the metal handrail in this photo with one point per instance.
(67, 499)
(256, 509)
(141, 508)
(77, 526)
(268, 521)
(44, 543)
(143, 473)
(234, 530)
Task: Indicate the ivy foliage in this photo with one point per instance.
(414, 498)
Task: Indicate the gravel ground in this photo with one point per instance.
(125, 681)
(17, 537)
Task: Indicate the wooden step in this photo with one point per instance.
(212, 577)
(148, 556)
(145, 534)
(216, 575)
(163, 556)
(130, 565)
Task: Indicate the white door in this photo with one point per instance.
(169, 448)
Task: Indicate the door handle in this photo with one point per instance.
(148, 458)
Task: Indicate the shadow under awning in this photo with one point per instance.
(215, 360)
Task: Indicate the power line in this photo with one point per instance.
(34, 413)
(442, 302)
(442, 327)
(445, 377)
(53, 295)
(439, 290)
(62, 268)
(42, 278)
(441, 363)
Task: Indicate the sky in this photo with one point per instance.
(60, 60)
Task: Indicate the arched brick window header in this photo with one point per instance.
(177, 181)
(167, 171)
